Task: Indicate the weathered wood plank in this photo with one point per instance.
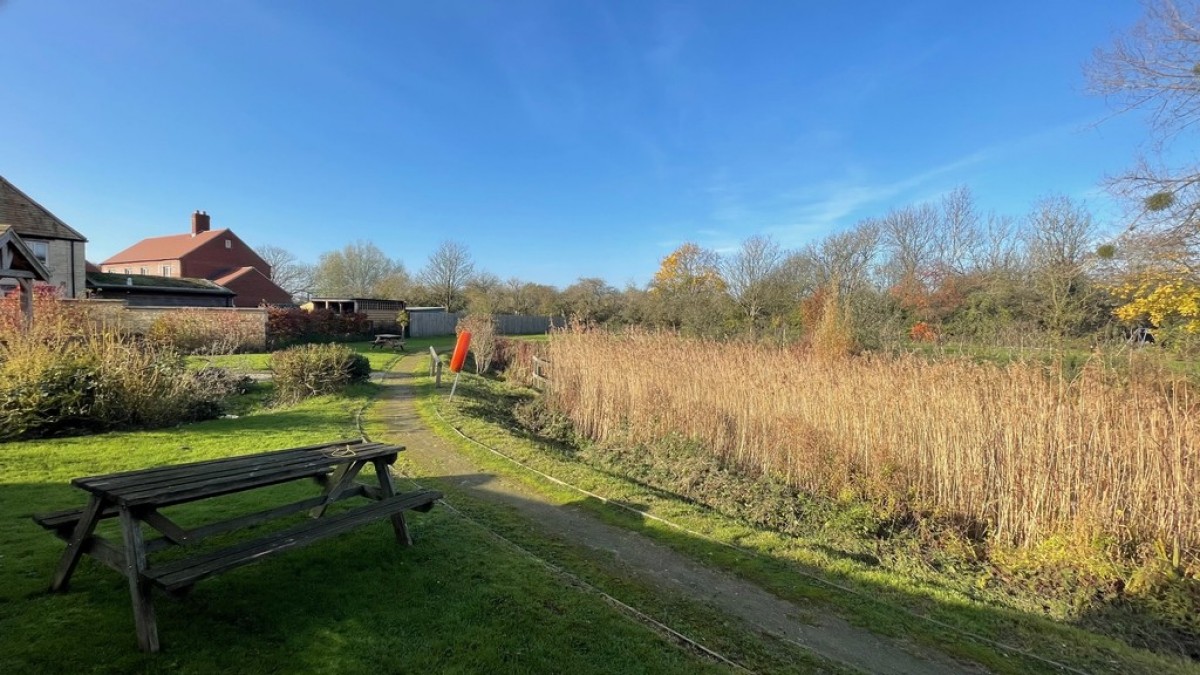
(101, 479)
(168, 528)
(228, 465)
(139, 589)
(342, 478)
(79, 536)
(68, 518)
(168, 495)
(178, 574)
(388, 489)
(198, 534)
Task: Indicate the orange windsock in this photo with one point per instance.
(460, 351)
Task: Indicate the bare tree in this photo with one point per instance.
(958, 241)
(1059, 245)
(484, 294)
(909, 235)
(287, 271)
(752, 276)
(1000, 250)
(1155, 68)
(846, 258)
(359, 270)
(591, 299)
(447, 272)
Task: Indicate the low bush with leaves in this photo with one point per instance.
(204, 331)
(312, 370)
(97, 381)
(287, 326)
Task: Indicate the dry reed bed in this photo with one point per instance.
(1027, 454)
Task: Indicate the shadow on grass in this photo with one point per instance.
(457, 600)
(1088, 642)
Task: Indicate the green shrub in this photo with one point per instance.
(204, 331)
(312, 370)
(97, 381)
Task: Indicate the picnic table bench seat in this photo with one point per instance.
(390, 340)
(135, 497)
(180, 574)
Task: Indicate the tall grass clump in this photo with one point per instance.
(204, 331)
(67, 373)
(1018, 451)
(482, 328)
(311, 370)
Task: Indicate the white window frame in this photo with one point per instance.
(143, 271)
(167, 270)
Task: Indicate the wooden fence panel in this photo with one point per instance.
(427, 324)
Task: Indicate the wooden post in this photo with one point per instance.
(26, 286)
(83, 531)
(435, 367)
(388, 488)
(139, 589)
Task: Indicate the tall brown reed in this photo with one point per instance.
(1024, 452)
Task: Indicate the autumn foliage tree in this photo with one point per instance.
(1155, 68)
(688, 291)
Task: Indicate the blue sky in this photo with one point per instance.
(556, 139)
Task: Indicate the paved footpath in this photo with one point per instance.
(811, 627)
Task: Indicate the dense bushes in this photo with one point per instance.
(97, 381)
(290, 326)
(311, 370)
(204, 331)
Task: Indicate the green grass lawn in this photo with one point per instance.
(783, 564)
(1070, 357)
(381, 359)
(458, 601)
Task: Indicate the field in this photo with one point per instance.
(1016, 454)
(1054, 600)
(1049, 488)
(457, 601)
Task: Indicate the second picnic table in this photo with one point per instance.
(137, 497)
(391, 340)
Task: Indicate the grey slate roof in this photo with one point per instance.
(30, 219)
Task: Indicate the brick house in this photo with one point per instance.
(219, 256)
(56, 245)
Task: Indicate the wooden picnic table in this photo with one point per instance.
(137, 498)
(391, 340)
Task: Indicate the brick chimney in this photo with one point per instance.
(199, 222)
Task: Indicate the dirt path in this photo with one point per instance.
(811, 627)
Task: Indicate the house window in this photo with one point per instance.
(143, 270)
(40, 250)
(128, 271)
(228, 243)
(166, 270)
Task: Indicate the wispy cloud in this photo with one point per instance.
(797, 215)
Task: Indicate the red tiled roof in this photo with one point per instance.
(170, 247)
(221, 281)
(29, 218)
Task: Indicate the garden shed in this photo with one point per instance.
(379, 312)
